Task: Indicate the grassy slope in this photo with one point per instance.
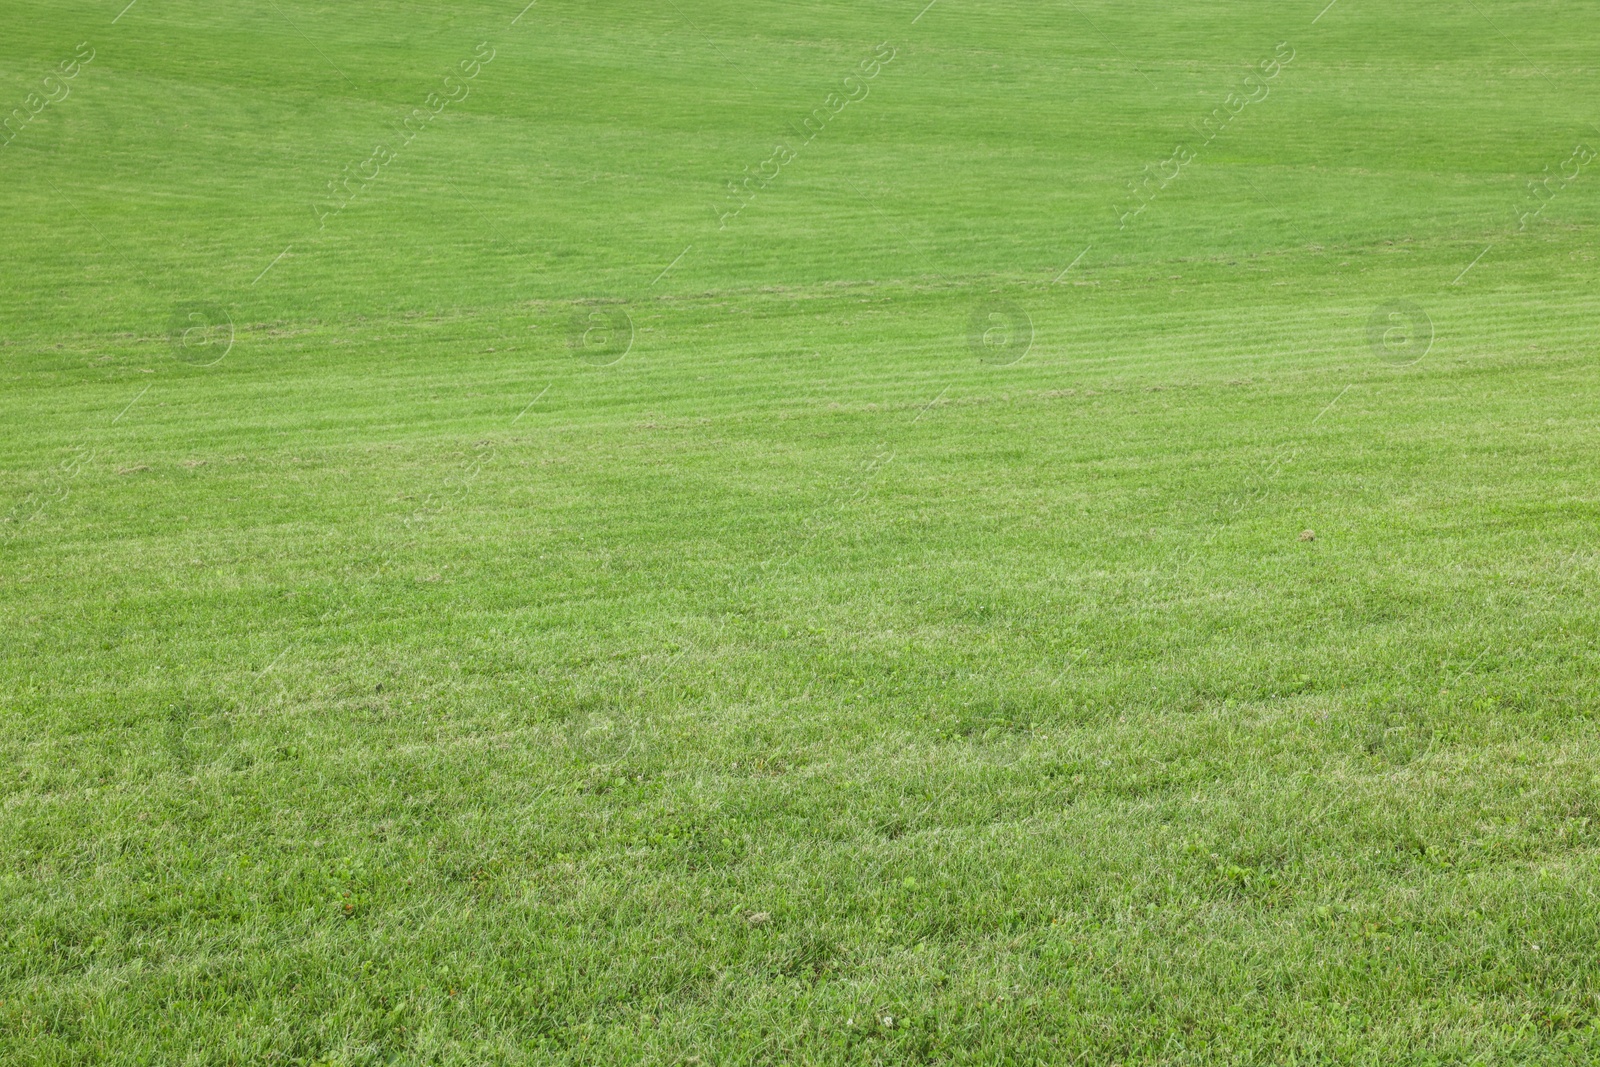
(733, 698)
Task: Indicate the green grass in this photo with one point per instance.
(805, 686)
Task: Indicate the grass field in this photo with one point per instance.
(678, 531)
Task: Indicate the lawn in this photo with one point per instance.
(685, 532)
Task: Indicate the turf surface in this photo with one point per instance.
(691, 532)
